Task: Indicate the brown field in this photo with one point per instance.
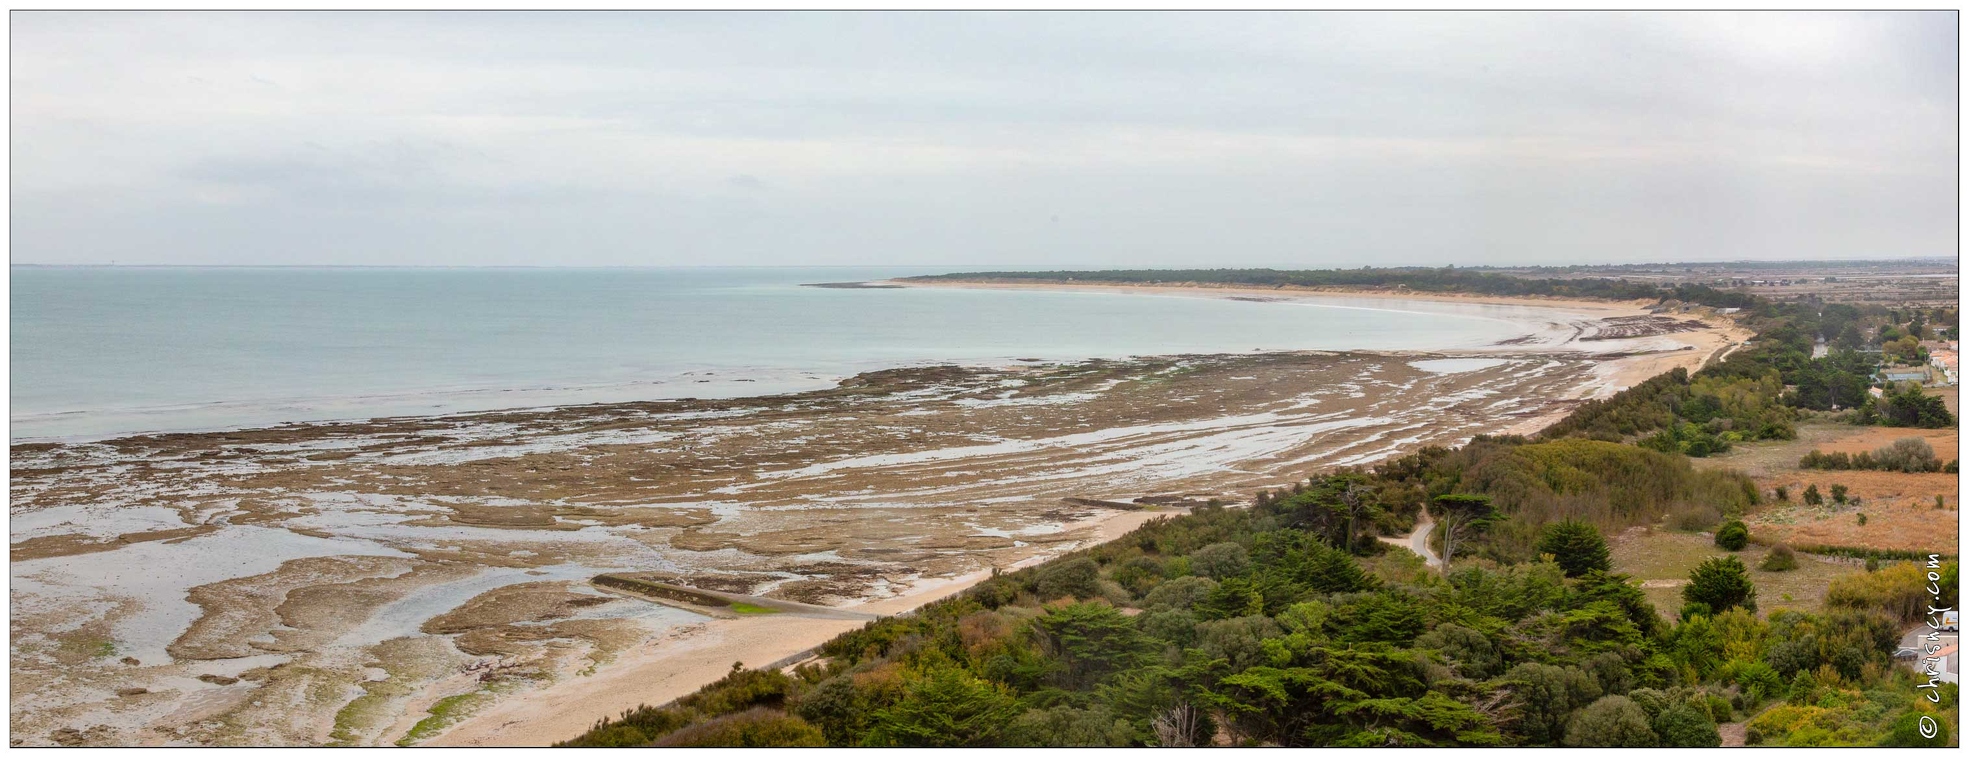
(1900, 508)
(1662, 559)
(1868, 438)
(1900, 512)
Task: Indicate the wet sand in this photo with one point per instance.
(670, 669)
(1571, 325)
(425, 580)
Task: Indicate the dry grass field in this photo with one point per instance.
(1900, 508)
(1662, 559)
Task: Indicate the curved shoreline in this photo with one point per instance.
(713, 382)
(1233, 290)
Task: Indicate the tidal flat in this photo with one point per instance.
(383, 582)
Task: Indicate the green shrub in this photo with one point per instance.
(1899, 590)
(1546, 698)
(1781, 558)
(1611, 721)
(1758, 681)
(1906, 732)
(1721, 584)
(1683, 725)
(1067, 726)
(945, 707)
(1734, 536)
(1221, 561)
(1090, 640)
(1576, 546)
(759, 727)
(1076, 577)
(1181, 593)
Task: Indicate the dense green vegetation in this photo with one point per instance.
(1289, 623)
(1240, 626)
(1285, 623)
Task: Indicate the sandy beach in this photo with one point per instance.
(1715, 341)
(1205, 289)
(425, 580)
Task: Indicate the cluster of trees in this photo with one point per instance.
(1839, 380)
(1697, 415)
(1911, 455)
(1901, 335)
(1905, 404)
(1534, 483)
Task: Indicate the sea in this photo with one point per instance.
(100, 352)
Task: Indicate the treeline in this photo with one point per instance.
(1700, 416)
(1908, 455)
(1448, 280)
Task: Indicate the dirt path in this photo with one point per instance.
(1418, 541)
(1733, 733)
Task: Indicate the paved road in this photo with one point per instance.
(1418, 540)
(1916, 639)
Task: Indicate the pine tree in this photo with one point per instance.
(1576, 546)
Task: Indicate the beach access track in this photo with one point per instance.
(1418, 541)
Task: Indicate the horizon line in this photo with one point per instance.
(1953, 260)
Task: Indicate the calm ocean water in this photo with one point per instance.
(106, 351)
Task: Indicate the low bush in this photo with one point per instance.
(1781, 558)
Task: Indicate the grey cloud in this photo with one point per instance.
(1154, 139)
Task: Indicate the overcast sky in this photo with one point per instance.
(1109, 139)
